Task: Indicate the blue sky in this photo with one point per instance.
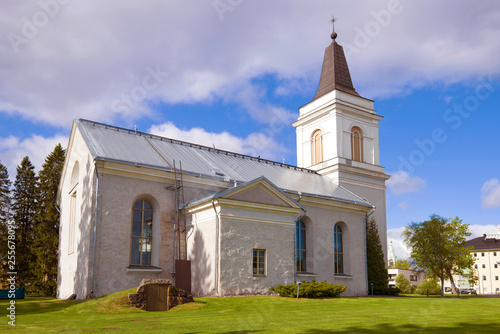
(233, 73)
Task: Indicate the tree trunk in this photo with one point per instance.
(442, 286)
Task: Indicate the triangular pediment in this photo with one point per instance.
(260, 191)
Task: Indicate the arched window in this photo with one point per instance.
(316, 147)
(357, 144)
(142, 233)
(301, 246)
(338, 253)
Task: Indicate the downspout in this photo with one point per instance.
(216, 290)
(95, 226)
(366, 250)
(295, 241)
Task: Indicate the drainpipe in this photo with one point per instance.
(216, 290)
(366, 250)
(295, 241)
(95, 226)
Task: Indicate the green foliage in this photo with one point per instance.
(5, 218)
(377, 271)
(400, 264)
(45, 246)
(437, 246)
(24, 207)
(385, 290)
(429, 285)
(310, 289)
(403, 284)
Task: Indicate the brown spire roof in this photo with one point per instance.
(335, 72)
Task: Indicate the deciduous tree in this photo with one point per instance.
(437, 246)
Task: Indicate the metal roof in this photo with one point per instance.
(112, 143)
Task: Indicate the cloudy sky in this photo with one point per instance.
(233, 73)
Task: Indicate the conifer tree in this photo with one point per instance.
(47, 230)
(377, 271)
(4, 216)
(24, 206)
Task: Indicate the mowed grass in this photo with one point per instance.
(260, 315)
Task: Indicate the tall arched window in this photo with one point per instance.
(142, 233)
(338, 250)
(316, 147)
(357, 144)
(301, 246)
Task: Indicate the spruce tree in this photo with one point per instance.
(24, 206)
(4, 218)
(377, 271)
(47, 230)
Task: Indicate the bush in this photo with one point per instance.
(404, 284)
(310, 289)
(429, 284)
(384, 290)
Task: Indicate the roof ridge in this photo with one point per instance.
(194, 145)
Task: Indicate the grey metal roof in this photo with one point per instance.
(111, 143)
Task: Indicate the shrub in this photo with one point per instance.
(384, 290)
(429, 284)
(310, 289)
(404, 284)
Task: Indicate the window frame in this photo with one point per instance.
(316, 147)
(357, 149)
(338, 252)
(257, 264)
(145, 242)
(301, 253)
(72, 222)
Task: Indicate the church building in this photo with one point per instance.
(218, 223)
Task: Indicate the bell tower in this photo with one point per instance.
(337, 135)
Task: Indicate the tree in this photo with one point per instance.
(24, 206)
(437, 246)
(45, 245)
(401, 264)
(377, 271)
(403, 284)
(5, 217)
(429, 285)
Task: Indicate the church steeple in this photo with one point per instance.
(335, 72)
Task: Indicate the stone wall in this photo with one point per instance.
(158, 295)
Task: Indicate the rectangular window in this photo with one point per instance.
(259, 262)
(413, 278)
(482, 254)
(496, 266)
(496, 278)
(475, 266)
(72, 222)
(484, 266)
(494, 253)
(475, 254)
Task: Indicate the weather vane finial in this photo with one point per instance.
(334, 34)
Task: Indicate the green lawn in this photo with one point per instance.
(260, 315)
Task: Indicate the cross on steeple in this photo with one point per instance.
(334, 34)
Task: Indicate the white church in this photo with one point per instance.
(218, 223)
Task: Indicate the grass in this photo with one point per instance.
(112, 313)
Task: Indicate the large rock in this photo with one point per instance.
(158, 295)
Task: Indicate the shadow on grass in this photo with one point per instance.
(39, 305)
(463, 327)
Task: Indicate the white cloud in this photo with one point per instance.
(401, 183)
(13, 150)
(255, 144)
(81, 60)
(404, 206)
(479, 230)
(490, 194)
(400, 249)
